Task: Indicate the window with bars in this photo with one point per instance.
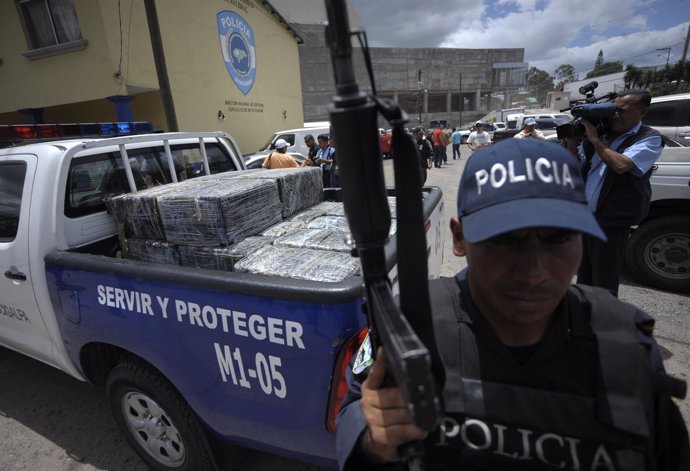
(50, 22)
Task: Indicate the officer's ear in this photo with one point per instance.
(458, 237)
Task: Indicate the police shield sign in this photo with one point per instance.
(237, 47)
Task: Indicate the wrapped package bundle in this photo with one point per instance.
(220, 213)
(249, 245)
(298, 188)
(332, 208)
(309, 214)
(305, 238)
(212, 258)
(138, 212)
(282, 228)
(338, 223)
(337, 241)
(307, 264)
(329, 267)
(320, 239)
(155, 251)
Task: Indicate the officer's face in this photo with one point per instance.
(517, 279)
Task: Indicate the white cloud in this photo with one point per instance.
(562, 31)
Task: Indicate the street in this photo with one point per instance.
(52, 422)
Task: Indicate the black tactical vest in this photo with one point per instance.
(624, 198)
(496, 426)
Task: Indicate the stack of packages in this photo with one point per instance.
(269, 222)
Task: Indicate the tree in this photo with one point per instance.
(605, 69)
(600, 59)
(633, 76)
(539, 82)
(565, 73)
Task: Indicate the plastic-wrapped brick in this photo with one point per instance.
(220, 213)
(138, 212)
(309, 214)
(305, 238)
(249, 245)
(331, 208)
(307, 264)
(154, 251)
(338, 223)
(298, 188)
(282, 228)
(211, 258)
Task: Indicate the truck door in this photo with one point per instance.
(21, 325)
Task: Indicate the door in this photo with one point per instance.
(21, 324)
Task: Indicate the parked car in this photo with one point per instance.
(294, 138)
(546, 125)
(670, 115)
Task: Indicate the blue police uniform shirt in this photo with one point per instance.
(643, 153)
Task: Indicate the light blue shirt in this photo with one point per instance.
(643, 153)
(457, 137)
(325, 154)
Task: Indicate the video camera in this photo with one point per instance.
(597, 111)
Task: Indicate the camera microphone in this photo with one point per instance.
(585, 89)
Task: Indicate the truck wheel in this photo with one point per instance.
(659, 253)
(156, 420)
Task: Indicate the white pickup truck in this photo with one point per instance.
(192, 359)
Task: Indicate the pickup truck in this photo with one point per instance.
(194, 361)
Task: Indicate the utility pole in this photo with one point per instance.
(161, 67)
(685, 55)
(420, 88)
(462, 100)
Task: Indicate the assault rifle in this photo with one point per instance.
(405, 332)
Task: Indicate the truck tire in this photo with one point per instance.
(156, 420)
(658, 253)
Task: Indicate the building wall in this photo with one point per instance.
(447, 75)
(72, 87)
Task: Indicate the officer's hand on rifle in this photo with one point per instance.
(387, 417)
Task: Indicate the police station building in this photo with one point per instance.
(228, 65)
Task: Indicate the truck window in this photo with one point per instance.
(91, 179)
(189, 162)
(11, 186)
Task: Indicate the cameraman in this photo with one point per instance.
(616, 166)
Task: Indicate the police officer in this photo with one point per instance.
(539, 374)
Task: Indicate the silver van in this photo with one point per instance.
(670, 115)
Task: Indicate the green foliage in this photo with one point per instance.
(565, 73)
(605, 69)
(659, 82)
(539, 82)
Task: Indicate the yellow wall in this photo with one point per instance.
(201, 84)
(73, 86)
(66, 78)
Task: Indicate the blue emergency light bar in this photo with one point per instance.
(19, 133)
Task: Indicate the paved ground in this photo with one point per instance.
(51, 422)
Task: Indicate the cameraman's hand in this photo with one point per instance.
(590, 131)
(386, 414)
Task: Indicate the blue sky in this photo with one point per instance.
(552, 32)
